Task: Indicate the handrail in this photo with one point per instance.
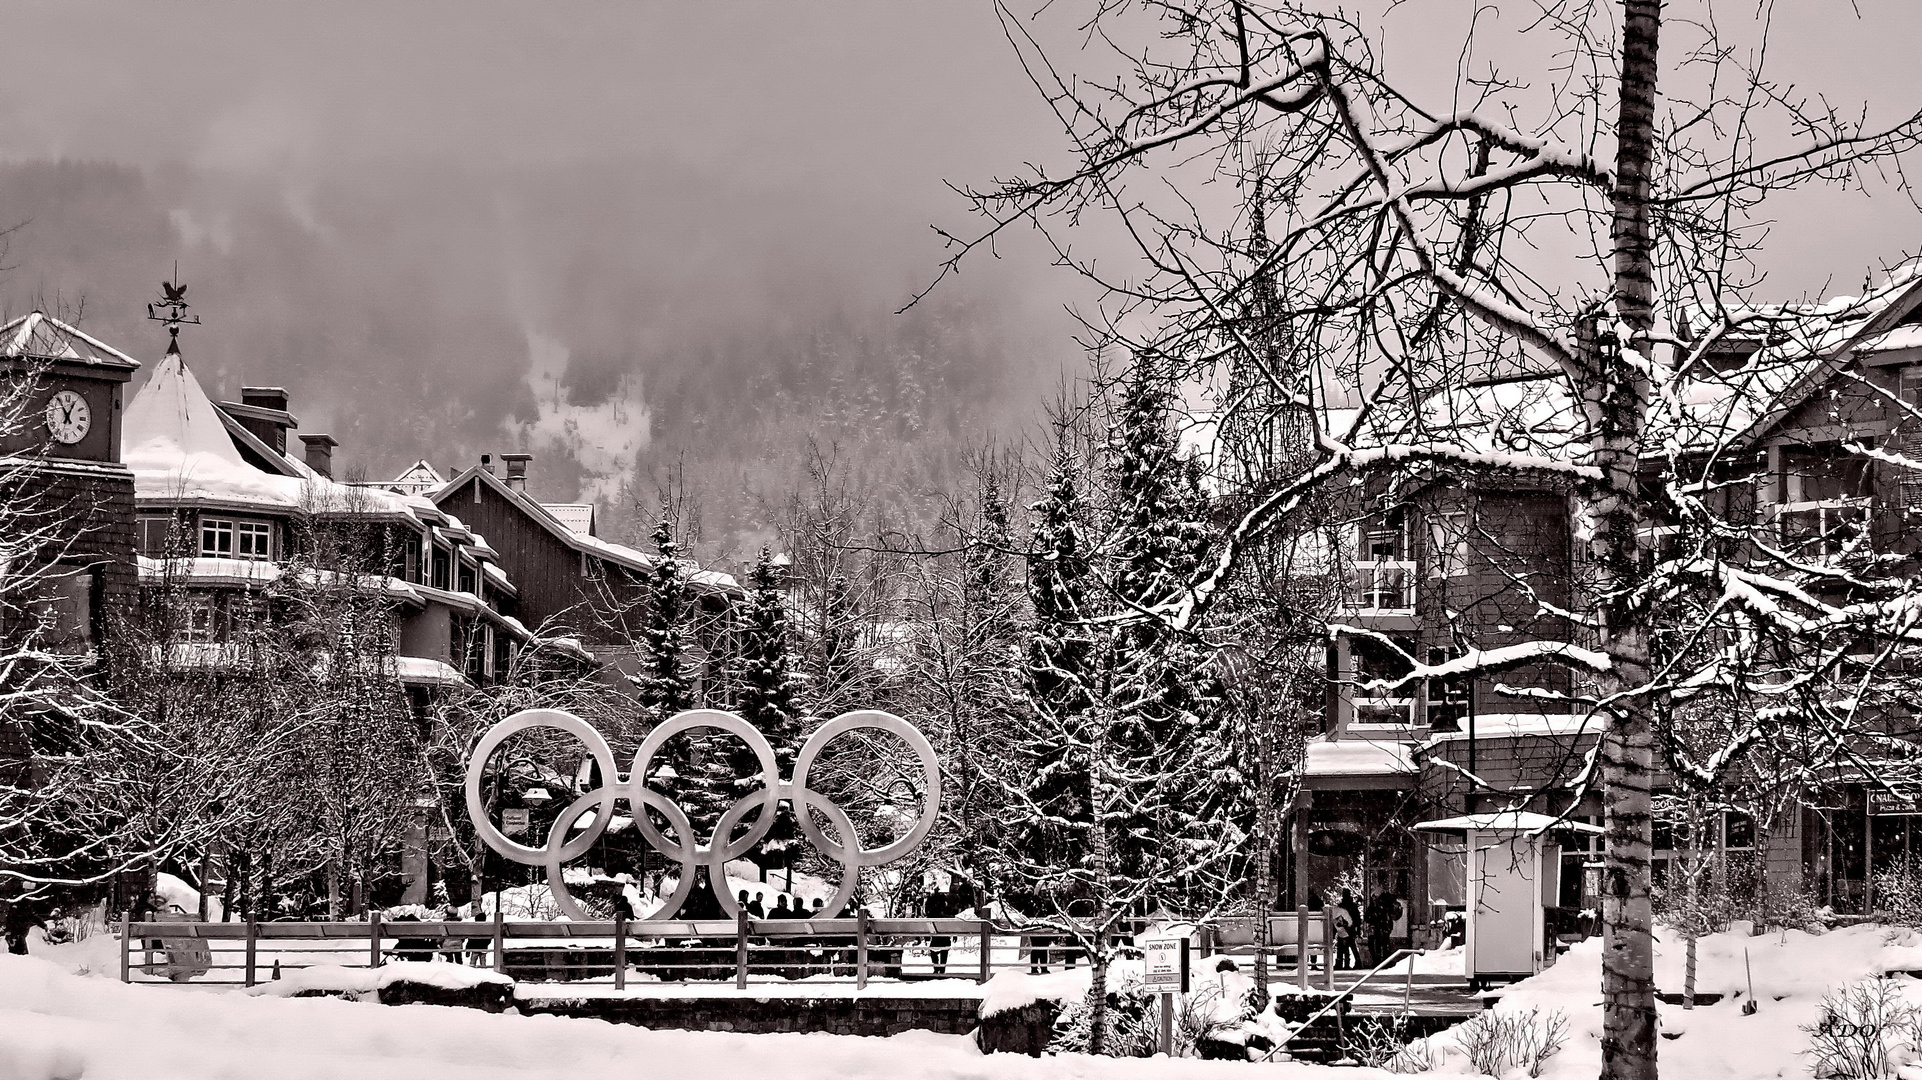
(1396, 957)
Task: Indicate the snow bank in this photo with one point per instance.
(54, 1024)
(1793, 970)
(332, 977)
(1007, 991)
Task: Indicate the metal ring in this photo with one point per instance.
(852, 851)
(684, 847)
(500, 733)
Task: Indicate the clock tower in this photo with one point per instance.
(61, 476)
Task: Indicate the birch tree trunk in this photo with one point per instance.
(1615, 391)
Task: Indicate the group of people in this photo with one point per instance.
(1374, 929)
(757, 910)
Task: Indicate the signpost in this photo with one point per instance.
(514, 822)
(1165, 971)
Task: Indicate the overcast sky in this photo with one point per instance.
(718, 160)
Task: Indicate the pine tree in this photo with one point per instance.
(767, 699)
(1052, 816)
(698, 784)
(1165, 711)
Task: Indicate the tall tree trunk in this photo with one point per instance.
(1264, 863)
(1099, 859)
(1616, 393)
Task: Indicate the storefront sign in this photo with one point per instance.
(514, 822)
(1883, 803)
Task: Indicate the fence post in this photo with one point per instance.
(126, 945)
(1301, 945)
(1408, 988)
(987, 946)
(1328, 948)
(740, 949)
(500, 933)
(373, 937)
(252, 932)
(620, 945)
(860, 948)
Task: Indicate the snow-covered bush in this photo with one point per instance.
(1384, 1044)
(1867, 1029)
(1898, 895)
(1134, 1022)
(1495, 1042)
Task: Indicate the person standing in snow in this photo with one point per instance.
(1343, 913)
(939, 905)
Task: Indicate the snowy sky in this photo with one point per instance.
(735, 162)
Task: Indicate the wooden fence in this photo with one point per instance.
(848, 950)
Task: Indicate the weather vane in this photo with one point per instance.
(172, 310)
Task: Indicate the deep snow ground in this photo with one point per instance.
(64, 1015)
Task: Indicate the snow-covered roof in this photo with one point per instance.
(422, 671)
(541, 514)
(1506, 821)
(576, 516)
(180, 449)
(39, 334)
(1520, 725)
(1357, 757)
(419, 478)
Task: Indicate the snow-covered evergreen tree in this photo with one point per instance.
(767, 699)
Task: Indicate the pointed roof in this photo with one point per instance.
(181, 448)
(39, 334)
(420, 478)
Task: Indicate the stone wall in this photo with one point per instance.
(839, 1016)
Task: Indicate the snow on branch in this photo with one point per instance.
(1474, 661)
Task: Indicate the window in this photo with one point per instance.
(226, 538)
(216, 538)
(155, 531)
(68, 622)
(441, 567)
(1448, 697)
(253, 540)
(487, 651)
(467, 583)
(1448, 543)
(1384, 577)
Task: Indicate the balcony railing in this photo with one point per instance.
(1385, 585)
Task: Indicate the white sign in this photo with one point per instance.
(514, 822)
(1164, 965)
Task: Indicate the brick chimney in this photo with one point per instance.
(487, 462)
(517, 470)
(320, 453)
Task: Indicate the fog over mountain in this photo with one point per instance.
(626, 243)
(626, 237)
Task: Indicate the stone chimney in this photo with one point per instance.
(320, 453)
(517, 470)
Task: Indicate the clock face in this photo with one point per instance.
(68, 418)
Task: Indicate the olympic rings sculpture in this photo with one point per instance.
(719, 850)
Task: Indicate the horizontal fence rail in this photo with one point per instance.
(851, 951)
